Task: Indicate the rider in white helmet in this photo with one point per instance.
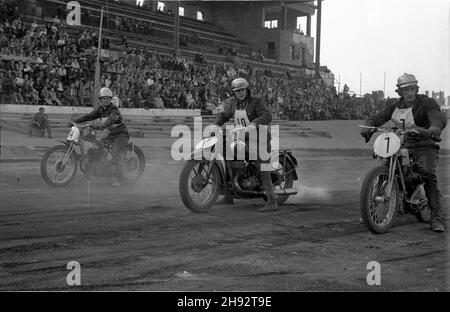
(250, 112)
(419, 112)
(118, 134)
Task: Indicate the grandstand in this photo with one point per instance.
(153, 60)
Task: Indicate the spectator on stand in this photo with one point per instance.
(71, 95)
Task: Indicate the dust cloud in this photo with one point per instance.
(310, 193)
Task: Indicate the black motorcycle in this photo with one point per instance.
(202, 179)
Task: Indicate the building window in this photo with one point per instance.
(200, 15)
(161, 6)
(181, 12)
(271, 24)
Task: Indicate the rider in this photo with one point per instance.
(118, 134)
(253, 111)
(420, 113)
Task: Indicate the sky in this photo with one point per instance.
(368, 38)
(364, 41)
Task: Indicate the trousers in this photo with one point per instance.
(426, 160)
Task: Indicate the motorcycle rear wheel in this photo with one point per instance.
(56, 154)
(288, 181)
(133, 163)
(378, 216)
(190, 186)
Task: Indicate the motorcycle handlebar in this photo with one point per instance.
(395, 129)
(79, 126)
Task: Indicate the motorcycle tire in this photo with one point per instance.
(424, 214)
(141, 166)
(44, 166)
(185, 184)
(367, 197)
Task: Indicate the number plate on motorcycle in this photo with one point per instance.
(74, 134)
(386, 144)
(206, 143)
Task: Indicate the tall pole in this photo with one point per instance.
(97, 65)
(384, 85)
(339, 83)
(360, 83)
(176, 32)
(319, 15)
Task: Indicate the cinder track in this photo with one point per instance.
(141, 237)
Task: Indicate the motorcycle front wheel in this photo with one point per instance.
(58, 168)
(197, 194)
(378, 211)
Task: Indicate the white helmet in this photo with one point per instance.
(238, 84)
(406, 80)
(105, 92)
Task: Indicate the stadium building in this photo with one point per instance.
(260, 31)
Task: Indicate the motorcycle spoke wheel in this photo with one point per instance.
(197, 193)
(377, 209)
(424, 214)
(285, 173)
(59, 171)
(57, 167)
(381, 213)
(133, 163)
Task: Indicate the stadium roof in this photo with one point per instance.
(305, 6)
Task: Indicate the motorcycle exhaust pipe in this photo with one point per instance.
(288, 191)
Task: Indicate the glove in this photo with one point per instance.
(366, 133)
(424, 133)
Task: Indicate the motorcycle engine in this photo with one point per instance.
(247, 178)
(250, 183)
(97, 164)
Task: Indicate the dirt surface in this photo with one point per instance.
(141, 237)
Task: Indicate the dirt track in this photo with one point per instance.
(143, 238)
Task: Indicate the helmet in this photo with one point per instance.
(406, 80)
(238, 84)
(105, 92)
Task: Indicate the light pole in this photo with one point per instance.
(97, 65)
(318, 26)
(360, 84)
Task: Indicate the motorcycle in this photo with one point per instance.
(201, 181)
(394, 185)
(59, 164)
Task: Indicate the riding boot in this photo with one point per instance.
(434, 203)
(271, 203)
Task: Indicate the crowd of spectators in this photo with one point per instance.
(49, 64)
